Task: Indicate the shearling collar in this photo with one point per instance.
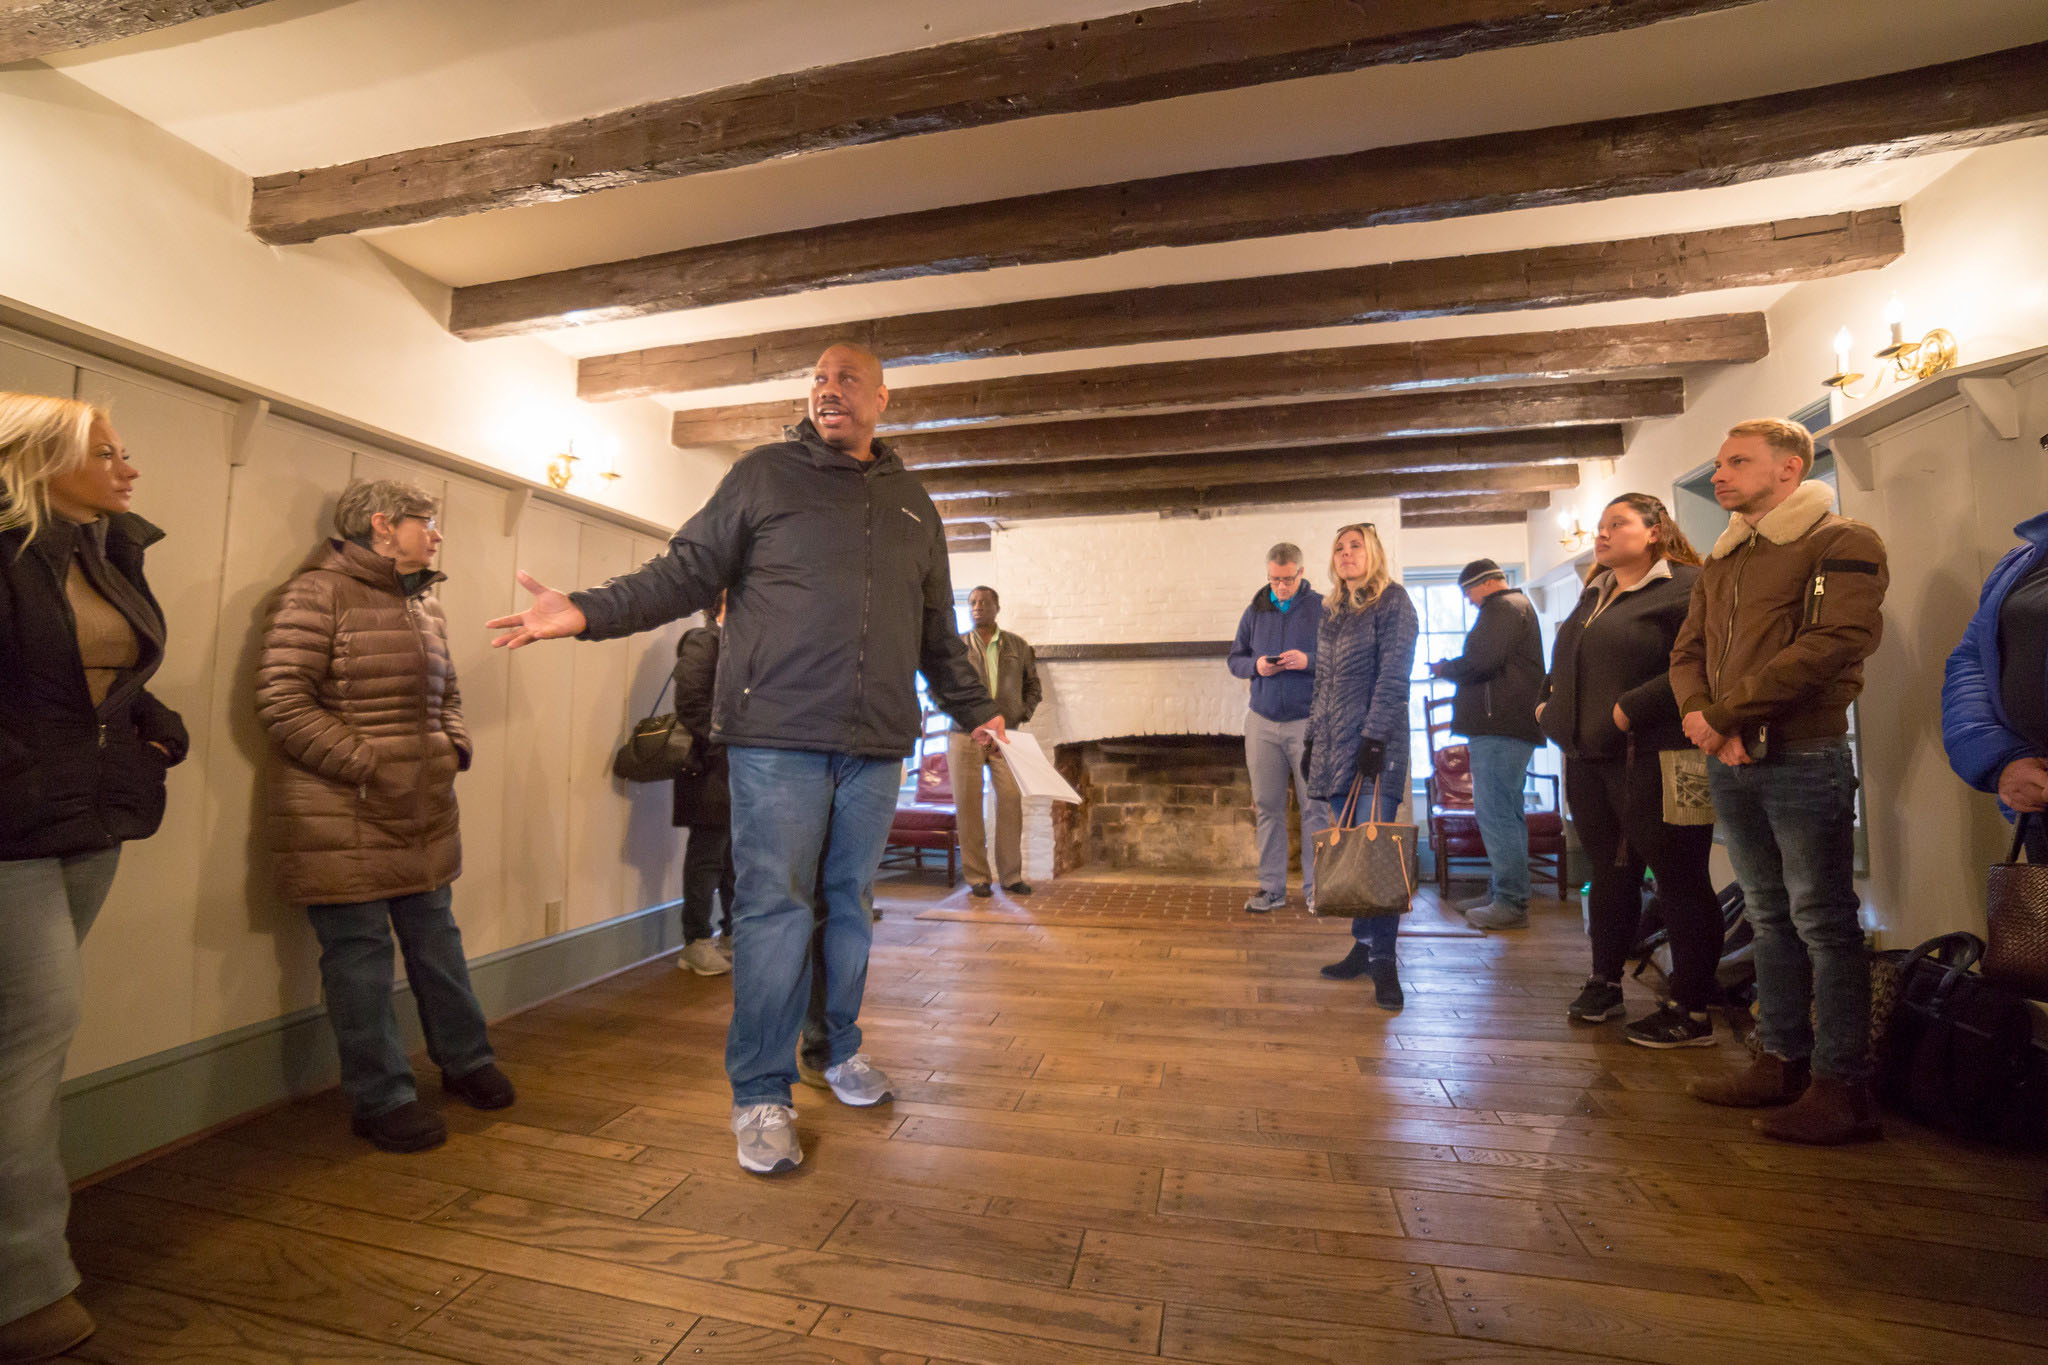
(1783, 524)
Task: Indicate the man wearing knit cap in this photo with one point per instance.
(1498, 678)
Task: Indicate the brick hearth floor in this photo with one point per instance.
(1132, 1123)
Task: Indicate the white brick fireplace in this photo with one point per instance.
(1145, 579)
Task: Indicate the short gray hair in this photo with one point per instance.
(1286, 552)
(364, 498)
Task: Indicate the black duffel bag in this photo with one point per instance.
(1958, 1051)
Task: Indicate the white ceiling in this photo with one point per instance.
(300, 83)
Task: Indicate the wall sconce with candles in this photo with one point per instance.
(1576, 537)
(1904, 361)
(562, 469)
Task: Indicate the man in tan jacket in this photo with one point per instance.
(1009, 670)
(1764, 669)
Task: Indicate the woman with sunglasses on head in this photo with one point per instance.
(358, 692)
(1358, 719)
(83, 751)
(1608, 705)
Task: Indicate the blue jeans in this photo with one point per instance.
(790, 808)
(355, 975)
(1272, 754)
(1789, 823)
(1378, 932)
(46, 905)
(1500, 767)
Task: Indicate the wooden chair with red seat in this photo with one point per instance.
(929, 824)
(1454, 825)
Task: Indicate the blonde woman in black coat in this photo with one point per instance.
(1627, 763)
(83, 750)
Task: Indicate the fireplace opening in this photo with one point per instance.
(1159, 803)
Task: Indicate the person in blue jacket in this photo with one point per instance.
(1276, 649)
(1994, 700)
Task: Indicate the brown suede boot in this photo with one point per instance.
(1770, 1080)
(1831, 1113)
(50, 1331)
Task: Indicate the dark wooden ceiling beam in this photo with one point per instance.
(1351, 489)
(1497, 450)
(1953, 106)
(1436, 412)
(1349, 371)
(1786, 252)
(40, 27)
(1120, 59)
(1422, 521)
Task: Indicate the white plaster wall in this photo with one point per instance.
(1453, 547)
(1976, 263)
(116, 225)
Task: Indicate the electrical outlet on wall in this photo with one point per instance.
(555, 918)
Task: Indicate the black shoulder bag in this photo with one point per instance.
(660, 748)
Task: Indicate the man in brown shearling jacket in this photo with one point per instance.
(1764, 668)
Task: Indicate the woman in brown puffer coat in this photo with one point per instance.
(358, 693)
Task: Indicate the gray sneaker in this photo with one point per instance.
(767, 1141)
(1498, 915)
(1465, 905)
(1263, 902)
(855, 1082)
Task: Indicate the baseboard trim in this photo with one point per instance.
(117, 1114)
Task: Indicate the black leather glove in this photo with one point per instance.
(1372, 756)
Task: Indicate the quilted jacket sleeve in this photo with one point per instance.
(452, 723)
(157, 723)
(1979, 744)
(1398, 627)
(298, 651)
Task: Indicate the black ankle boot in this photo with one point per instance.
(1353, 965)
(1386, 981)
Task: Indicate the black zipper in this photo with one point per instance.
(860, 668)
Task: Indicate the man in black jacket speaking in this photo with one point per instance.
(838, 593)
(1498, 677)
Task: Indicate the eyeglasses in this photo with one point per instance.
(431, 523)
(1284, 580)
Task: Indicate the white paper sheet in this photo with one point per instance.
(1033, 770)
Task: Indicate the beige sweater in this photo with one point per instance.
(106, 642)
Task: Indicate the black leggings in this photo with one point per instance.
(1623, 801)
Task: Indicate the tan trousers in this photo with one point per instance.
(964, 761)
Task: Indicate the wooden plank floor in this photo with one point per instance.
(1132, 1123)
